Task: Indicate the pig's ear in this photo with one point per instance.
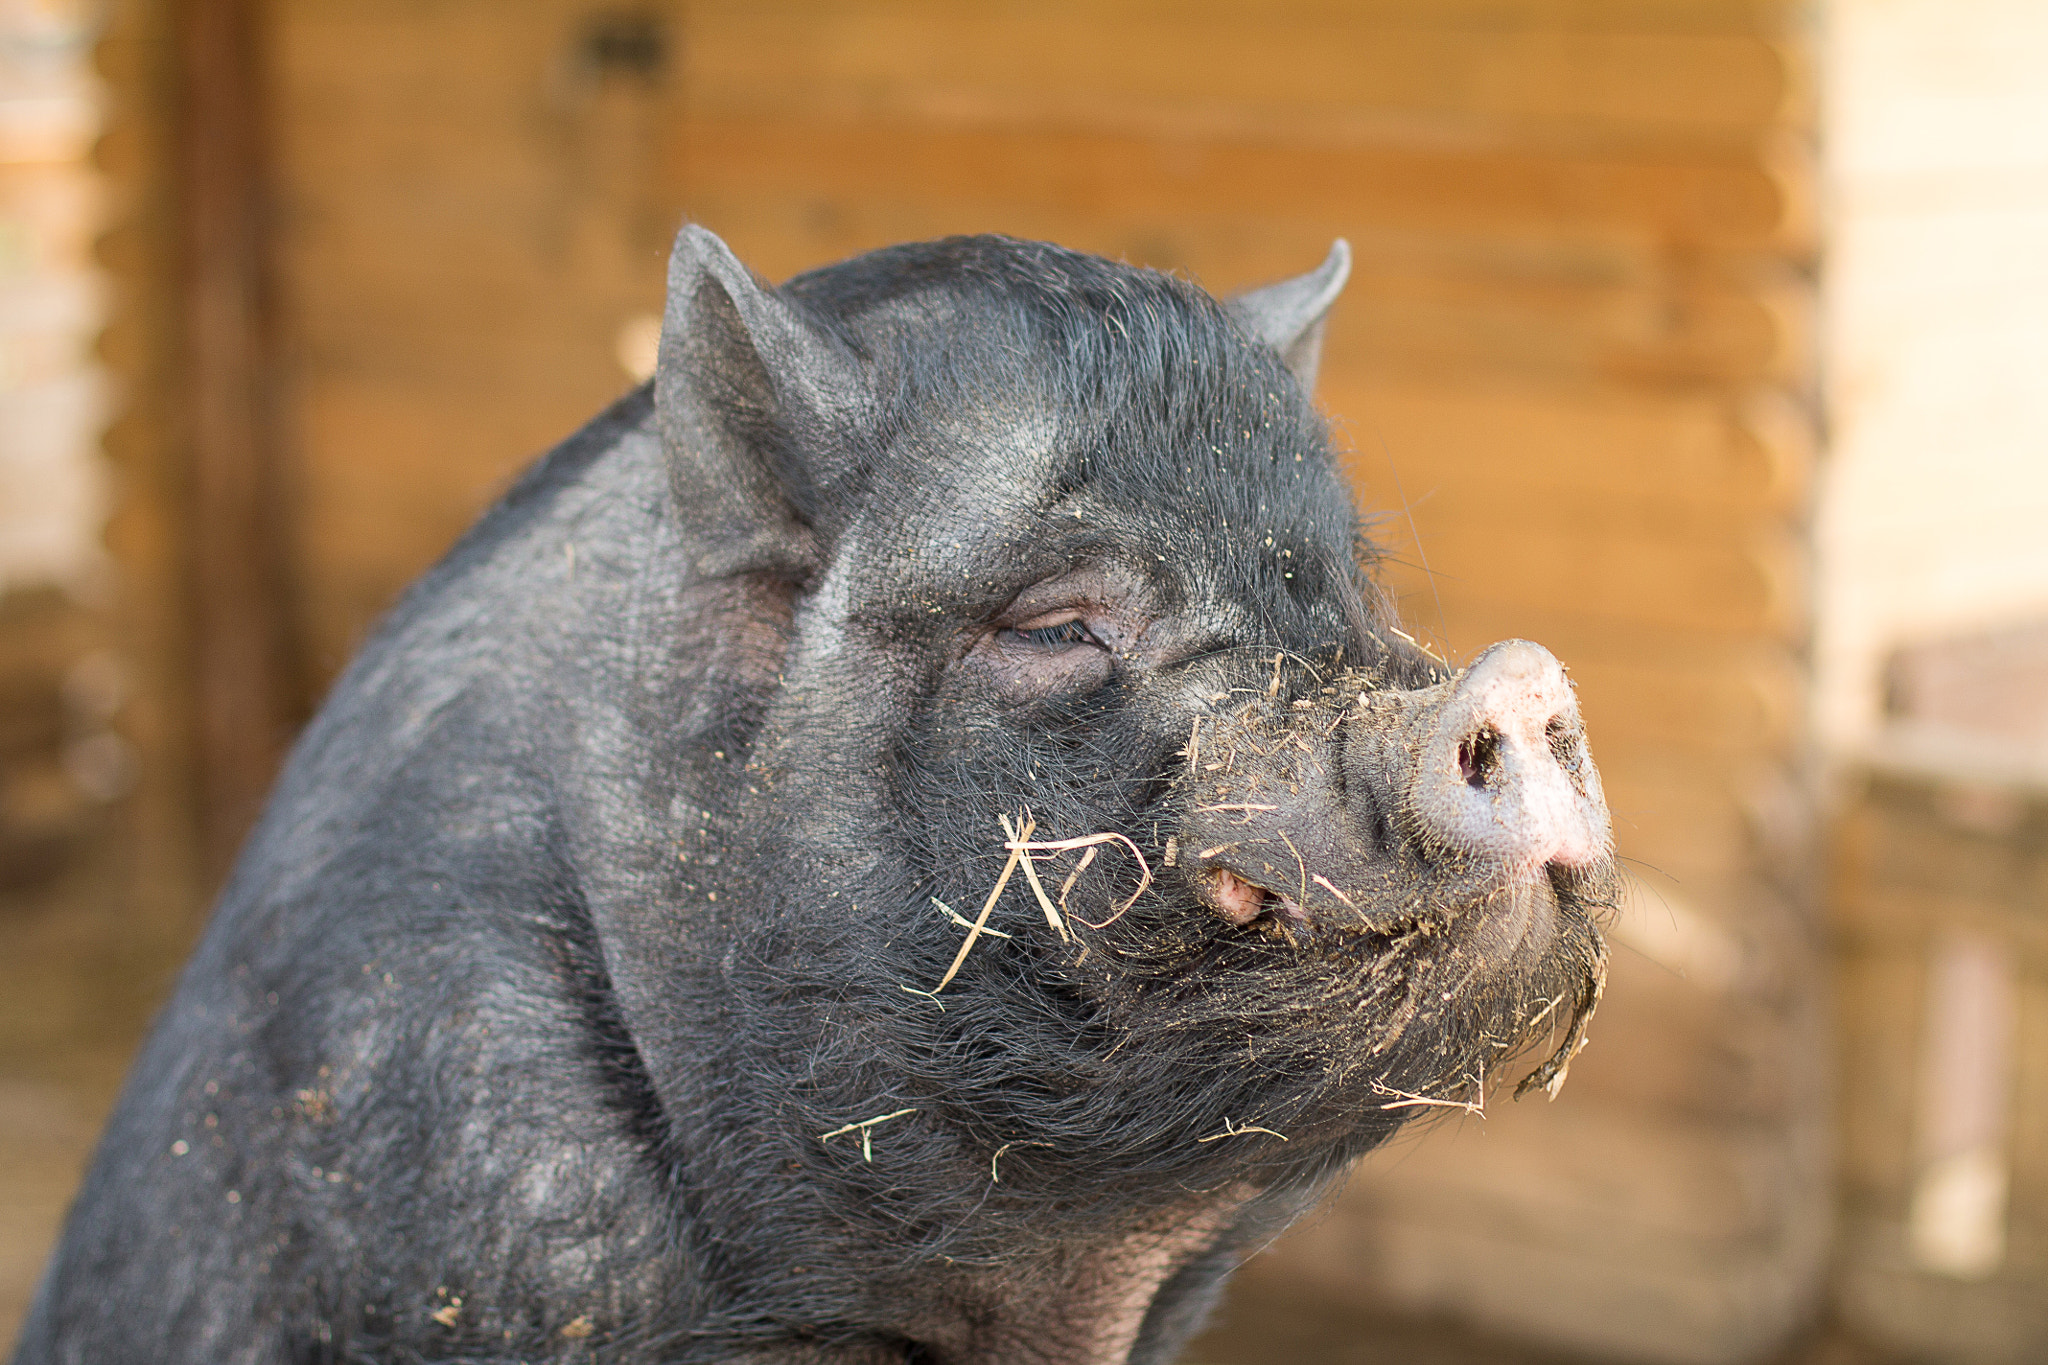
(751, 395)
(1289, 316)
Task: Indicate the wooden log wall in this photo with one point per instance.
(172, 851)
(1941, 973)
(1937, 191)
(94, 806)
(1573, 376)
(51, 484)
(473, 205)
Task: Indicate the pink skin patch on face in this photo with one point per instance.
(1236, 899)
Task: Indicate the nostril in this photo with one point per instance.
(1504, 777)
(1478, 755)
(1563, 743)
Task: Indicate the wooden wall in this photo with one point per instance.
(1937, 333)
(1573, 371)
(51, 485)
(473, 203)
(1942, 976)
(91, 761)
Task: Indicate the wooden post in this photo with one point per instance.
(240, 604)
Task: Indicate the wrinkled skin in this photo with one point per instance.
(595, 984)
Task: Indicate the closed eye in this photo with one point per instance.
(1058, 636)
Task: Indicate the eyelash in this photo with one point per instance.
(1063, 635)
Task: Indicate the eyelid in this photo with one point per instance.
(1070, 632)
(1044, 619)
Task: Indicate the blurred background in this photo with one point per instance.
(1705, 341)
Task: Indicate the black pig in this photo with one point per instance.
(913, 838)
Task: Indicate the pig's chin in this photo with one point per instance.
(1434, 1004)
(1518, 918)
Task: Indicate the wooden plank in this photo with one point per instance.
(1736, 17)
(1685, 822)
(1701, 1195)
(1892, 918)
(451, 450)
(1324, 74)
(1916, 864)
(1420, 303)
(1408, 481)
(1426, 302)
(1626, 579)
(1878, 1004)
(978, 179)
(246, 685)
(2030, 1119)
(1665, 328)
(48, 821)
(473, 220)
(1458, 628)
(1455, 624)
(1650, 705)
(157, 889)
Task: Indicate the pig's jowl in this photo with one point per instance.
(600, 981)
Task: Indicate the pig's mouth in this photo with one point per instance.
(1284, 867)
(1243, 902)
(1335, 1023)
(1523, 908)
(1530, 938)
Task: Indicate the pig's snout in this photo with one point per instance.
(1339, 806)
(1505, 776)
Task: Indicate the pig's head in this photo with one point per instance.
(1038, 572)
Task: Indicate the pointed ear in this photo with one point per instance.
(750, 393)
(1289, 316)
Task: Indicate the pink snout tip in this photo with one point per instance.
(1505, 775)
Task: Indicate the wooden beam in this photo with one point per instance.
(242, 654)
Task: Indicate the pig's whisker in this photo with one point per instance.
(1299, 863)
